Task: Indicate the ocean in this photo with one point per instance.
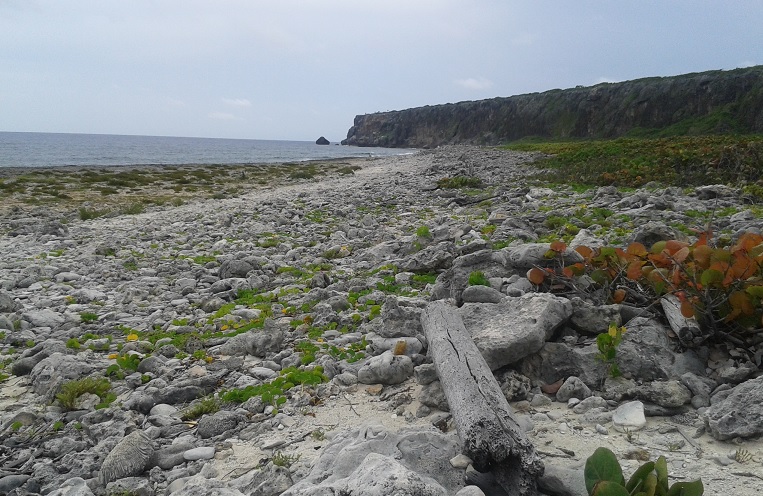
(60, 149)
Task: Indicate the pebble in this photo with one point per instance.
(200, 453)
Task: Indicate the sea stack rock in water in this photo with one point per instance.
(322, 141)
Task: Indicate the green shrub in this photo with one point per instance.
(205, 406)
(88, 317)
(72, 390)
(604, 477)
(86, 213)
(477, 278)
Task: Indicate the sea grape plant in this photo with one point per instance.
(722, 287)
(604, 477)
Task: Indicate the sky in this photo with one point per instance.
(297, 70)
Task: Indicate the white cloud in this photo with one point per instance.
(475, 84)
(174, 102)
(223, 116)
(237, 102)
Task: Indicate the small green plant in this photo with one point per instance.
(423, 232)
(607, 343)
(318, 434)
(203, 407)
(16, 426)
(88, 317)
(604, 477)
(134, 208)
(86, 213)
(477, 278)
(72, 390)
(281, 459)
(58, 425)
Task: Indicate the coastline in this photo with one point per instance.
(323, 246)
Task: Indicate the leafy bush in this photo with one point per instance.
(88, 317)
(477, 278)
(203, 407)
(86, 213)
(604, 477)
(72, 390)
(632, 162)
(722, 287)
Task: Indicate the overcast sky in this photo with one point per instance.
(281, 69)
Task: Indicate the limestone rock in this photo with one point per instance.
(386, 368)
(629, 417)
(129, 458)
(740, 414)
(509, 331)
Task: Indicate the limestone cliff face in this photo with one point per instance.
(715, 101)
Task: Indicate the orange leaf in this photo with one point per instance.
(634, 272)
(536, 276)
(687, 309)
(637, 249)
(681, 254)
(558, 246)
(744, 267)
(747, 242)
(567, 272)
(618, 295)
(740, 300)
(584, 251)
(703, 238)
(702, 255)
(673, 246)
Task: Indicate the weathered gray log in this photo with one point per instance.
(688, 330)
(485, 422)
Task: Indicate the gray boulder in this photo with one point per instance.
(669, 394)
(573, 387)
(431, 258)
(381, 475)
(375, 461)
(257, 342)
(53, 371)
(399, 319)
(509, 331)
(482, 294)
(386, 368)
(199, 485)
(531, 255)
(129, 458)
(76, 486)
(44, 317)
(217, 423)
(740, 414)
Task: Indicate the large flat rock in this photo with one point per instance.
(508, 331)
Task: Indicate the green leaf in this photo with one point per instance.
(609, 488)
(639, 476)
(602, 465)
(756, 291)
(661, 467)
(694, 488)
(711, 276)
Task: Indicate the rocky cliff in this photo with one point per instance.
(707, 102)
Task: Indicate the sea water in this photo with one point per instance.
(61, 149)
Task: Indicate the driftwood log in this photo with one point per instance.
(688, 330)
(485, 422)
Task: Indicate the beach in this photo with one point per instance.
(216, 278)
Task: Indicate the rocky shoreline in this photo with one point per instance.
(269, 342)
